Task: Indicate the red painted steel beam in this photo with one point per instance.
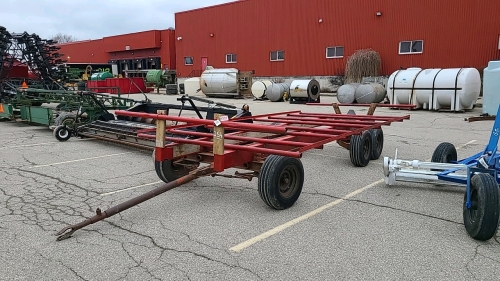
(409, 106)
(241, 138)
(317, 123)
(194, 121)
(328, 120)
(229, 146)
(348, 116)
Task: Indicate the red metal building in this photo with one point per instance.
(315, 37)
(154, 49)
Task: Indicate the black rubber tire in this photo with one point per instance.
(168, 172)
(62, 133)
(377, 136)
(481, 220)
(444, 153)
(65, 118)
(280, 181)
(360, 149)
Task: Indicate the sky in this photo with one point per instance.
(93, 19)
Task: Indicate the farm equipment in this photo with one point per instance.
(266, 146)
(89, 106)
(125, 129)
(479, 173)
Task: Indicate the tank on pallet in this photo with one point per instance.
(219, 82)
(370, 93)
(99, 76)
(455, 89)
(346, 92)
(276, 91)
(303, 91)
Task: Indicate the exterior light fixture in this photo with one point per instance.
(379, 14)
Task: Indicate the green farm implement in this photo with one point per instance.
(57, 107)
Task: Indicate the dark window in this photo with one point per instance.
(408, 47)
(188, 60)
(335, 52)
(277, 55)
(231, 58)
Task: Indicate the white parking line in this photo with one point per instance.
(37, 144)
(79, 160)
(240, 247)
(130, 188)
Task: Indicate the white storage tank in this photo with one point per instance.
(192, 86)
(219, 82)
(455, 89)
(491, 88)
(346, 92)
(276, 91)
(259, 88)
(370, 93)
(304, 90)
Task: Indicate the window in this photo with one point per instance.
(277, 55)
(188, 60)
(335, 52)
(231, 58)
(411, 47)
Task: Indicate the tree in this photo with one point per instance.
(63, 38)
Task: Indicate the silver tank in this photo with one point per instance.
(219, 81)
(370, 93)
(346, 93)
(275, 91)
(304, 89)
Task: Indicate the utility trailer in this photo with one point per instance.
(266, 146)
(479, 174)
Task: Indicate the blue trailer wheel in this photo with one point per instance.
(482, 218)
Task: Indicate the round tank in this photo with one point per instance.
(191, 86)
(101, 76)
(491, 84)
(451, 88)
(345, 93)
(154, 76)
(370, 93)
(276, 91)
(305, 89)
(219, 81)
(259, 88)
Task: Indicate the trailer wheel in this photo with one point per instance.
(167, 171)
(280, 181)
(377, 136)
(360, 149)
(481, 220)
(444, 153)
(62, 133)
(65, 118)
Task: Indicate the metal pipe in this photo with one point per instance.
(240, 138)
(69, 230)
(230, 146)
(409, 106)
(327, 119)
(228, 124)
(351, 116)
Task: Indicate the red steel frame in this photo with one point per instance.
(287, 134)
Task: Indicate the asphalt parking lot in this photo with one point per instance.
(346, 225)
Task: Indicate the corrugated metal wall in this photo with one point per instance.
(91, 51)
(133, 41)
(456, 33)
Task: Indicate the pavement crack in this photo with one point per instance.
(471, 260)
(391, 208)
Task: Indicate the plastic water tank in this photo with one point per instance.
(345, 93)
(491, 88)
(370, 93)
(259, 88)
(455, 89)
(101, 76)
(219, 81)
